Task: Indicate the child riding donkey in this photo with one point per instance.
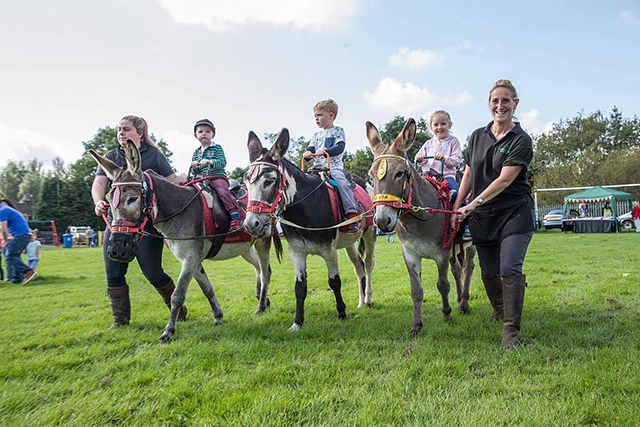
(208, 163)
(332, 141)
(440, 156)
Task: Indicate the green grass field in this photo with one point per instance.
(581, 323)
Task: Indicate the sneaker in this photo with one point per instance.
(235, 225)
(354, 227)
(28, 276)
(466, 233)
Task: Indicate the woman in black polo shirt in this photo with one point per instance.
(149, 254)
(501, 211)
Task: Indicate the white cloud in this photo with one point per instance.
(628, 18)
(530, 121)
(24, 145)
(416, 59)
(223, 15)
(395, 97)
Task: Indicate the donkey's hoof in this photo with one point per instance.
(217, 321)
(464, 308)
(295, 327)
(166, 337)
(415, 331)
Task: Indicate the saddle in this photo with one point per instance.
(216, 218)
(363, 200)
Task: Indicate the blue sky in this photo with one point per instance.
(70, 67)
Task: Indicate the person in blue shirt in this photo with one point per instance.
(12, 223)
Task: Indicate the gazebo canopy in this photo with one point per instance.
(600, 194)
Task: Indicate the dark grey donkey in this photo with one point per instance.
(398, 187)
(177, 212)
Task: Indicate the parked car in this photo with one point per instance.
(553, 219)
(79, 235)
(625, 221)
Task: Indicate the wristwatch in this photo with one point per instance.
(479, 201)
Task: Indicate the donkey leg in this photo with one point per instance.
(258, 257)
(358, 268)
(299, 262)
(467, 269)
(369, 239)
(456, 270)
(414, 267)
(335, 283)
(444, 287)
(177, 301)
(207, 289)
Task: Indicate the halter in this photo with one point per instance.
(146, 211)
(279, 201)
(406, 205)
(385, 199)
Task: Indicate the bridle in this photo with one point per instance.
(146, 209)
(402, 202)
(279, 200)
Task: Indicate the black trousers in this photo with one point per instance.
(149, 257)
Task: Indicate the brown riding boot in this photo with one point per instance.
(120, 305)
(513, 293)
(494, 292)
(165, 292)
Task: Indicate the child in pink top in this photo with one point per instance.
(443, 146)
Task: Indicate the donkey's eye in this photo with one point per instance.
(268, 182)
(399, 175)
(131, 200)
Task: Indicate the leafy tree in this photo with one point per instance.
(11, 178)
(238, 174)
(596, 149)
(391, 129)
(359, 163)
(296, 146)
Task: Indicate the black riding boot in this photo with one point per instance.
(165, 292)
(494, 292)
(513, 292)
(120, 305)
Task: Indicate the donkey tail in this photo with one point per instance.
(277, 244)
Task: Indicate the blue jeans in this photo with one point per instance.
(15, 265)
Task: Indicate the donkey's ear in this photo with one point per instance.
(279, 149)
(374, 138)
(405, 138)
(254, 146)
(108, 166)
(133, 157)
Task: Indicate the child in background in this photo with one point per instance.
(33, 251)
(209, 161)
(443, 146)
(332, 140)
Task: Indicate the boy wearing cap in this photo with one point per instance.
(209, 161)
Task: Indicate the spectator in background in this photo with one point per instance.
(91, 234)
(606, 211)
(583, 210)
(12, 223)
(33, 251)
(635, 216)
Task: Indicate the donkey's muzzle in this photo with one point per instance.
(122, 247)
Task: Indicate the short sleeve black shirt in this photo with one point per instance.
(150, 158)
(486, 156)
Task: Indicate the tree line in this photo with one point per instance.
(585, 150)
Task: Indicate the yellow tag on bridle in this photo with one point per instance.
(382, 168)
